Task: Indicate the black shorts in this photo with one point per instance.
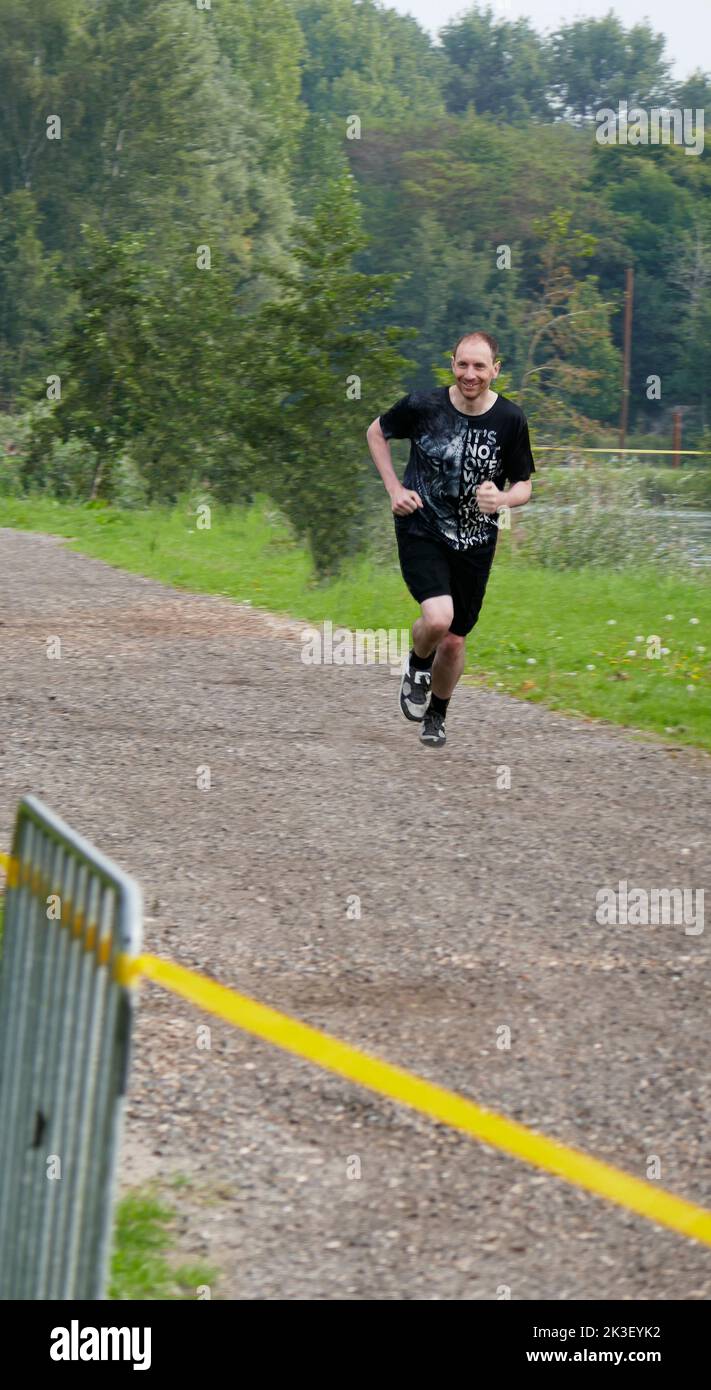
(431, 568)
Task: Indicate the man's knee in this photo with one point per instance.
(451, 646)
(437, 614)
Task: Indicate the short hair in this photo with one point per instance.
(488, 338)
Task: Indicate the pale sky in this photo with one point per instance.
(686, 24)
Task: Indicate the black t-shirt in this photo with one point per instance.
(451, 454)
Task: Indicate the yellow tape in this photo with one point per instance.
(569, 1164)
(10, 866)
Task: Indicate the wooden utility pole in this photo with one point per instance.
(676, 443)
(627, 353)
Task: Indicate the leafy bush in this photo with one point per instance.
(597, 518)
(14, 434)
(128, 487)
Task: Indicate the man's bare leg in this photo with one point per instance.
(427, 631)
(448, 665)
(432, 627)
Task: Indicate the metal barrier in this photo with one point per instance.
(65, 1020)
(65, 1026)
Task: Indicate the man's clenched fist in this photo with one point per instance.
(405, 501)
(489, 498)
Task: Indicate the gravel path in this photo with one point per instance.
(477, 910)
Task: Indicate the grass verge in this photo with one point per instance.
(142, 1239)
(575, 640)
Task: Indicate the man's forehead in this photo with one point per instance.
(477, 348)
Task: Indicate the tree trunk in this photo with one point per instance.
(96, 481)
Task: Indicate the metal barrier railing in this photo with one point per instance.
(65, 1024)
(65, 1021)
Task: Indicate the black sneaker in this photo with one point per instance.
(433, 733)
(414, 691)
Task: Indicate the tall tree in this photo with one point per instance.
(497, 66)
(265, 48)
(690, 382)
(695, 94)
(653, 212)
(37, 81)
(313, 373)
(146, 368)
(32, 299)
(569, 361)
(367, 61)
(597, 62)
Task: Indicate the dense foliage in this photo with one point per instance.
(232, 234)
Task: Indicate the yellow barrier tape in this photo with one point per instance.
(9, 865)
(569, 1164)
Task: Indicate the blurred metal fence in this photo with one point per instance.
(72, 918)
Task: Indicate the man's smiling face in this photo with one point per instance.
(474, 368)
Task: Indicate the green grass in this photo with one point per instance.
(557, 637)
(142, 1238)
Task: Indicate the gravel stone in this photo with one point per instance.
(477, 909)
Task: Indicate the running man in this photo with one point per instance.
(467, 442)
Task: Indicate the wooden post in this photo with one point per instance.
(676, 444)
(627, 352)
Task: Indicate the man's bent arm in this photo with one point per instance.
(518, 495)
(380, 454)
